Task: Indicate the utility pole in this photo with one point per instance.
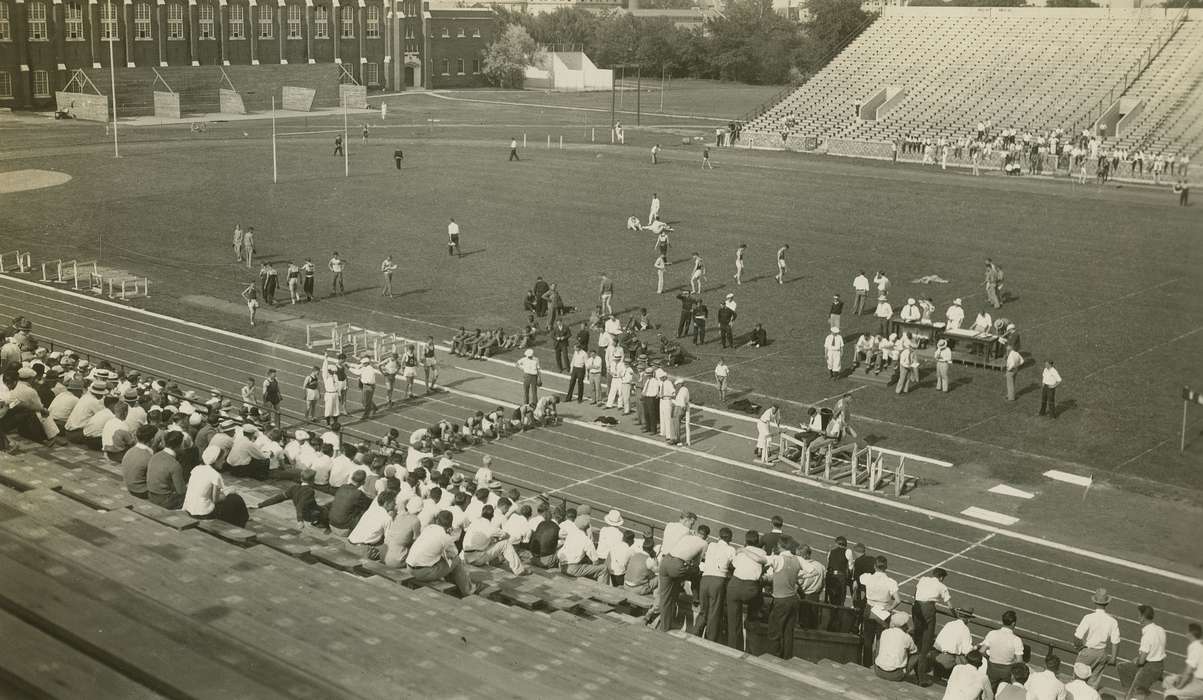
(638, 91)
(275, 174)
(113, 76)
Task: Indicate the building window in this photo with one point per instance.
(142, 21)
(108, 22)
(175, 21)
(373, 22)
(6, 85)
(206, 21)
(265, 22)
(37, 21)
(476, 33)
(73, 15)
(5, 27)
(459, 66)
(446, 33)
(237, 22)
(321, 23)
(347, 17)
(41, 83)
(371, 73)
(446, 66)
(460, 33)
(294, 21)
(409, 31)
(476, 66)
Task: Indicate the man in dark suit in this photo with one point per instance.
(686, 319)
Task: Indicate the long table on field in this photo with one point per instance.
(969, 347)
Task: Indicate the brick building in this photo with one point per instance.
(43, 41)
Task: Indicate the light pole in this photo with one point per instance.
(275, 174)
(113, 76)
(346, 143)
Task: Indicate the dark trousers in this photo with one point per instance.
(562, 361)
(712, 592)
(514, 154)
(576, 380)
(837, 587)
(808, 612)
(870, 630)
(783, 621)
(651, 413)
(231, 509)
(25, 423)
(369, 405)
(725, 337)
(699, 331)
(741, 594)
(530, 388)
(683, 324)
(997, 673)
(170, 501)
(256, 469)
(1048, 401)
(673, 573)
(923, 619)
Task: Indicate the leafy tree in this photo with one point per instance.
(752, 43)
(508, 57)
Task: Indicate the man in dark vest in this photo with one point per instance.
(271, 397)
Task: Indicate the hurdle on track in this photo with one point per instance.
(57, 266)
(128, 287)
(15, 261)
(75, 267)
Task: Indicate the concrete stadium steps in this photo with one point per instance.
(1027, 73)
(198, 86)
(154, 602)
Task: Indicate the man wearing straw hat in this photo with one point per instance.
(833, 350)
(1097, 638)
(943, 357)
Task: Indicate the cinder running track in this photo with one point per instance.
(1049, 585)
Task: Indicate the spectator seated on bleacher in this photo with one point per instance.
(577, 555)
(136, 460)
(21, 409)
(1080, 689)
(344, 465)
(967, 681)
(349, 504)
(952, 644)
(1014, 690)
(434, 556)
(247, 458)
(165, 485)
(486, 544)
(897, 656)
(368, 533)
(401, 533)
(207, 498)
(642, 575)
(544, 540)
(115, 436)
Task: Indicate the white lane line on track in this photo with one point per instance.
(581, 482)
(1030, 539)
(959, 554)
(625, 495)
(877, 533)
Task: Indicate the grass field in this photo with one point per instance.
(1105, 280)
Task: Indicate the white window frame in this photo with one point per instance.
(446, 66)
(236, 21)
(175, 22)
(321, 22)
(371, 73)
(296, 20)
(373, 25)
(41, 76)
(460, 65)
(476, 66)
(206, 25)
(266, 25)
(37, 29)
(346, 21)
(476, 32)
(143, 24)
(6, 27)
(6, 85)
(110, 24)
(73, 21)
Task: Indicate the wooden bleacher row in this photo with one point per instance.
(1030, 74)
(104, 595)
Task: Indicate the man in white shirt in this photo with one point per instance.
(930, 592)
(910, 311)
(1149, 665)
(369, 376)
(952, 644)
(1189, 683)
(881, 597)
(1050, 379)
(884, 313)
(833, 352)
(897, 655)
(578, 556)
(620, 558)
(1014, 362)
(712, 587)
(1078, 688)
(321, 465)
(369, 531)
(678, 564)
(343, 466)
(529, 364)
(517, 525)
(206, 498)
(743, 590)
(246, 458)
(1044, 685)
(860, 285)
(966, 681)
(674, 531)
(433, 556)
(1002, 649)
(811, 579)
(486, 544)
(1097, 638)
(955, 316)
(610, 535)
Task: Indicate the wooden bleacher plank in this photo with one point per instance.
(46, 667)
(144, 652)
(229, 533)
(176, 519)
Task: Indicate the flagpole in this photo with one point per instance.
(346, 143)
(113, 77)
(275, 173)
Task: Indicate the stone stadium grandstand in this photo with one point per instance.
(1134, 77)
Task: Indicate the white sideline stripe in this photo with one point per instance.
(1004, 490)
(989, 516)
(603, 475)
(1069, 478)
(958, 555)
(910, 508)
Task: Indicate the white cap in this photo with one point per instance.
(529, 353)
(210, 455)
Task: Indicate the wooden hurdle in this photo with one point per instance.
(57, 266)
(15, 262)
(127, 288)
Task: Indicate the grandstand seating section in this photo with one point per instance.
(1029, 73)
(105, 595)
(198, 86)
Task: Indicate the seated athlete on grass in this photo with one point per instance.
(457, 341)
